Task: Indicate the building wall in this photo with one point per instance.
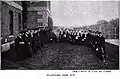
(34, 19)
(5, 19)
(33, 15)
(34, 12)
(46, 4)
(50, 23)
(37, 3)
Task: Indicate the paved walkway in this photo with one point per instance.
(113, 41)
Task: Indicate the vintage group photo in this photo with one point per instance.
(59, 35)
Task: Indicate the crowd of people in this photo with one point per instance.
(29, 42)
(92, 39)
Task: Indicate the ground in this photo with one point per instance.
(65, 56)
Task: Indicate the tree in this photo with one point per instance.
(102, 22)
(114, 22)
(115, 25)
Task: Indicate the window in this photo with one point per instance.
(19, 21)
(11, 22)
(41, 24)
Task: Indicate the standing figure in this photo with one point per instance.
(19, 47)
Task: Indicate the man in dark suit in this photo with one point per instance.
(102, 44)
(19, 47)
(27, 46)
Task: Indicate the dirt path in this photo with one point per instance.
(64, 56)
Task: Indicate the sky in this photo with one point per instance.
(80, 13)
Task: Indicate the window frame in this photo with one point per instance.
(11, 28)
(19, 21)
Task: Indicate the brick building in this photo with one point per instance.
(21, 15)
(38, 14)
(11, 19)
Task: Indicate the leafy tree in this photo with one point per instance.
(102, 22)
(115, 24)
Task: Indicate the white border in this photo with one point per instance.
(41, 74)
(37, 74)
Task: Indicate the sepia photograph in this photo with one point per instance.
(59, 35)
